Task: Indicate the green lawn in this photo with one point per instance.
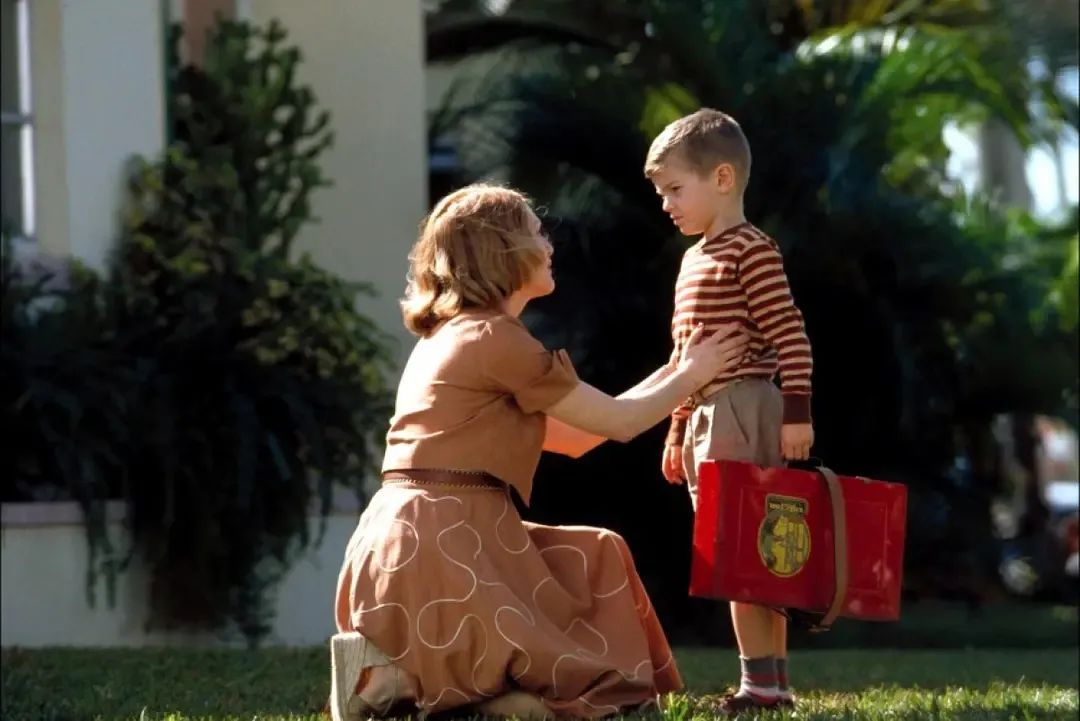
(936, 624)
(280, 684)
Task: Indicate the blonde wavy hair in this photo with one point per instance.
(474, 250)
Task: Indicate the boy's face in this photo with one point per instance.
(692, 200)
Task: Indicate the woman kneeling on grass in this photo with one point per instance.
(447, 598)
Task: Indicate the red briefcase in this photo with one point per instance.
(807, 540)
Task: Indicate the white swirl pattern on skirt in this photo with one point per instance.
(377, 525)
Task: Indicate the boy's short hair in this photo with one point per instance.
(701, 141)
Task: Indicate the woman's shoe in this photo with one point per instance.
(516, 704)
(351, 657)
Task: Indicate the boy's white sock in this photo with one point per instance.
(759, 679)
(782, 688)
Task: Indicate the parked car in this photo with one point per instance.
(1063, 500)
(1048, 565)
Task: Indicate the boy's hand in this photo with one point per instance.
(796, 439)
(672, 465)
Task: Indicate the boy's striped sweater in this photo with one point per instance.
(738, 277)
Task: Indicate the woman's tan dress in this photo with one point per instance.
(452, 585)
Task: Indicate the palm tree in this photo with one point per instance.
(899, 276)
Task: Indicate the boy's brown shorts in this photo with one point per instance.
(740, 422)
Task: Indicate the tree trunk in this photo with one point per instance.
(1003, 165)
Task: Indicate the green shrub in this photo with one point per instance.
(217, 382)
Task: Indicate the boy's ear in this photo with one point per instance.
(724, 176)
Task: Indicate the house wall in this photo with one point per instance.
(43, 593)
(365, 63)
(97, 72)
(98, 82)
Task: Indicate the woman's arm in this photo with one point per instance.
(658, 375)
(568, 441)
(574, 442)
(596, 413)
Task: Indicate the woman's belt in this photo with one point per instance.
(443, 477)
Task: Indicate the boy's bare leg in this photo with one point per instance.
(757, 635)
(780, 650)
(753, 630)
(779, 635)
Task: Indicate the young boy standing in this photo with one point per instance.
(700, 166)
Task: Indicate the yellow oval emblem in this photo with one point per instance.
(784, 536)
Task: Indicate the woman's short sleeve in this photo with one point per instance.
(517, 363)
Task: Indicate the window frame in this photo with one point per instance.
(22, 120)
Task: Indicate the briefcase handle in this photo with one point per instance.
(836, 502)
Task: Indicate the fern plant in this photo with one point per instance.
(66, 394)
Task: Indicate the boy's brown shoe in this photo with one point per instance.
(733, 705)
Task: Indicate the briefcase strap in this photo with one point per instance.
(836, 500)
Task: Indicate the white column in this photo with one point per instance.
(98, 80)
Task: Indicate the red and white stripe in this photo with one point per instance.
(738, 277)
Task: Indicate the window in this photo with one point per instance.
(17, 143)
